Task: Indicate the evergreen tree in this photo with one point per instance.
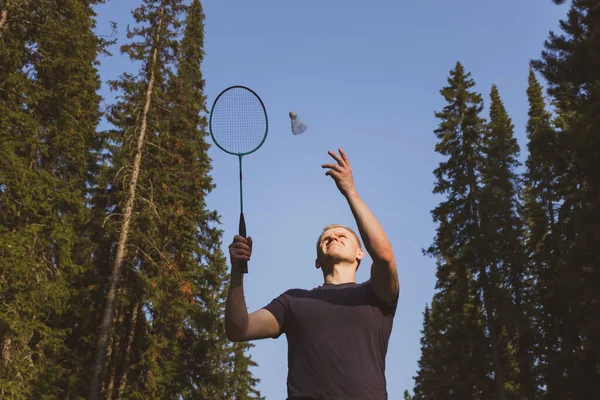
(242, 382)
(173, 272)
(539, 213)
(571, 65)
(458, 362)
(428, 382)
(502, 231)
(138, 115)
(48, 117)
(204, 345)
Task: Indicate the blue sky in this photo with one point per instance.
(364, 76)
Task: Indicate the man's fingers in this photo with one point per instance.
(333, 174)
(239, 245)
(336, 157)
(332, 166)
(240, 250)
(240, 239)
(236, 253)
(240, 254)
(344, 156)
(250, 241)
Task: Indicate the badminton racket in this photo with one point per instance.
(238, 125)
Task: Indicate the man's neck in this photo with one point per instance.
(341, 273)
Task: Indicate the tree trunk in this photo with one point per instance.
(112, 356)
(5, 350)
(130, 336)
(105, 326)
(3, 17)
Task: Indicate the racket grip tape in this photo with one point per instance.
(243, 264)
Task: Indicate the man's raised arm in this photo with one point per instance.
(384, 275)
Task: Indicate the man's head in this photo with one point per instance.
(338, 243)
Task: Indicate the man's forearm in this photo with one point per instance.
(384, 275)
(236, 312)
(375, 240)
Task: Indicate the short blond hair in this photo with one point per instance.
(331, 226)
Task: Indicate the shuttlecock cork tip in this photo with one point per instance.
(293, 114)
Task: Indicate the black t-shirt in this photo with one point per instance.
(337, 337)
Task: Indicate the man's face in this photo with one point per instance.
(338, 244)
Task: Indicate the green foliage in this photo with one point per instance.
(454, 362)
(540, 202)
(48, 115)
(569, 255)
(503, 232)
(484, 285)
(540, 241)
(174, 266)
(62, 188)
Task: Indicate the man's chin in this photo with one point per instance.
(334, 254)
(335, 257)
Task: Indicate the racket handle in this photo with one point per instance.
(243, 264)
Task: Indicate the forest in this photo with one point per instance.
(113, 276)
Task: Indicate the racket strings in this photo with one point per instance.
(239, 123)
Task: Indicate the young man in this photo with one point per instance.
(337, 333)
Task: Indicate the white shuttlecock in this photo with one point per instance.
(298, 126)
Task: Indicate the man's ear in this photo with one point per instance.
(360, 254)
(317, 266)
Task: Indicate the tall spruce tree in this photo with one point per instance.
(203, 345)
(430, 381)
(502, 231)
(171, 341)
(459, 362)
(540, 202)
(49, 110)
(137, 118)
(571, 65)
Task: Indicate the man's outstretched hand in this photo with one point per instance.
(341, 172)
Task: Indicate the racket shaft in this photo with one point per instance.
(243, 264)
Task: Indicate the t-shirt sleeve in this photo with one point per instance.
(279, 308)
(388, 308)
(394, 305)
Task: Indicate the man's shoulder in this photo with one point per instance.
(324, 289)
(299, 293)
(352, 286)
